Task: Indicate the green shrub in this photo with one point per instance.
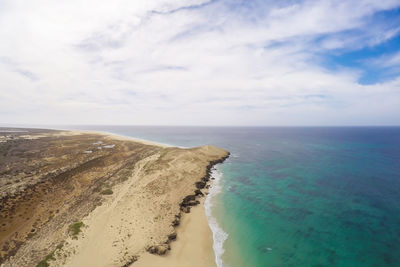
(107, 191)
(45, 261)
(75, 229)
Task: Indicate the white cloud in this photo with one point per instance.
(187, 62)
(388, 60)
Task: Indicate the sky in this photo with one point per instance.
(200, 62)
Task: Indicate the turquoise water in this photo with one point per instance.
(301, 196)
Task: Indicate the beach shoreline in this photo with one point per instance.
(121, 137)
(195, 245)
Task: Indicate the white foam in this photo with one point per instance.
(219, 235)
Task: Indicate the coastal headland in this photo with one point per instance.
(71, 198)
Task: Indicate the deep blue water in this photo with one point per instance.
(301, 196)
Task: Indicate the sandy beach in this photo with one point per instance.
(136, 203)
(193, 246)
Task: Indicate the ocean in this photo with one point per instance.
(298, 196)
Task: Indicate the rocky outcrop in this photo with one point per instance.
(200, 184)
(172, 236)
(177, 220)
(198, 192)
(185, 209)
(159, 249)
(190, 200)
(185, 205)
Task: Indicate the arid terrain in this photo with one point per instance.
(88, 199)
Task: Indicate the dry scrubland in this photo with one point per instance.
(88, 199)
